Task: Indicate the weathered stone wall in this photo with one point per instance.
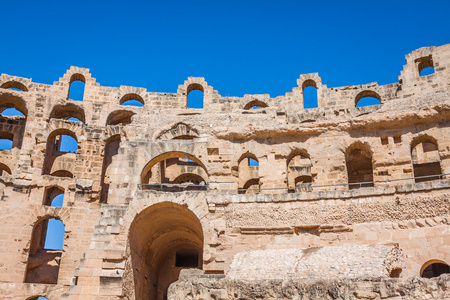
(196, 285)
(299, 197)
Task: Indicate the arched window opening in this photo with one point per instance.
(425, 159)
(69, 112)
(299, 177)
(195, 96)
(15, 86)
(37, 298)
(45, 252)
(248, 174)
(310, 97)
(4, 170)
(111, 150)
(358, 158)
(6, 141)
(255, 104)
(60, 154)
(132, 103)
(68, 144)
(12, 105)
(179, 131)
(54, 196)
(427, 71)
(425, 65)
(303, 184)
(194, 181)
(253, 162)
(309, 90)
(164, 239)
(173, 172)
(434, 268)
(252, 186)
(76, 87)
(6, 144)
(132, 100)
(368, 101)
(367, 98)
(120, 117)
(62, 173)
(12, 112)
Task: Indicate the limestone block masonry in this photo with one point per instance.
(268, 199)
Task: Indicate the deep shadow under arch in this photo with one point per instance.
(163, 239)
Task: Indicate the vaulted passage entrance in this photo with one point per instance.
(164, 238)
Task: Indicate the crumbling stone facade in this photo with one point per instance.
(268, 199)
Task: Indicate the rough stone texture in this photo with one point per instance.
(153, 190)
(193, 286)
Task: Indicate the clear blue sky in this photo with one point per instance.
(240, 47)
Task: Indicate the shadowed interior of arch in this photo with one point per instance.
(111, 149)
(426, 159)
(434, 268)
(164, 238)
(299, 177)
(248, 174)
(15, 86)
(60, 153)
(358, 159)
(53, 196)
(255, 104)
(174, 168)
(45, 249)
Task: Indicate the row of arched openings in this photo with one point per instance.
(77, 86)
(182, 168)
(365, 98)
(60, 158)
(195, 95)
(424, 65)
(359, 164)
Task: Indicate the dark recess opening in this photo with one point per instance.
(186, 260)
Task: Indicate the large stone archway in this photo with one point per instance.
(164, 238)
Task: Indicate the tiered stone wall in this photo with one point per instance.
(96, 262)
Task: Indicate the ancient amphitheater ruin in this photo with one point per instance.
(247, 198)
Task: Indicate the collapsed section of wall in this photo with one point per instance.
(196, 285)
